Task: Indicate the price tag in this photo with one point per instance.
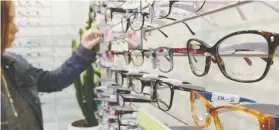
(225, 98)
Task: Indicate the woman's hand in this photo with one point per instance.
(90, 38)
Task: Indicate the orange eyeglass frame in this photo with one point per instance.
(266, 122)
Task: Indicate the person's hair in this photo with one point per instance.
(5, 19)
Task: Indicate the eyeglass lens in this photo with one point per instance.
(163, 95)
(163, 59)
(136, 21)
(235, 50)
(137, 57)
(136, 85)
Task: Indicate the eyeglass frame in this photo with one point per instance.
(272, 45)
(171, 52)
(144, 82)
(266, 122)
(128, 56)
(188, 87)
(119, 10)
(171, 2)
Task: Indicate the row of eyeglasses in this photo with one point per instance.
(217, 111)
(252, 50)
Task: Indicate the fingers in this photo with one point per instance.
(95, 41)
(93, 32)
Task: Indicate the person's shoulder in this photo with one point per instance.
(19, 62)
(13, 56)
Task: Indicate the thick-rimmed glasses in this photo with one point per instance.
(162, 57)
(119, 76)
(164, 90)
(122, 74)
(109, 12)
(252, 50)
(139, 83)
(228, 117)
(135, 21)
(135, 56)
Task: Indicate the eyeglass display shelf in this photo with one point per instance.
(152, 118)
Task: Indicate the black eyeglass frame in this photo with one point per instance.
(175, 87)
(119, 10)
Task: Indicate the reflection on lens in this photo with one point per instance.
(161, 8)
(108, 15)
(163, 96)
(249, 51)
(200, 112)
(136, 21)
(137, 86)
(237, 120)
(137, 57)
(196, 57)
(163, 59)
(124, 24)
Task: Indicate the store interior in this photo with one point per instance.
(160, 64)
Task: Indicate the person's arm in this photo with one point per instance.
(56, 80)
(82, 57)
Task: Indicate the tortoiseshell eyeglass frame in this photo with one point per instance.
(272, 41)
(266, 122)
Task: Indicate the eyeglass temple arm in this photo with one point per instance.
(185, 86)
(208, 96)
(159, 30)
(247, 59)
(136, 99)
(191, 31)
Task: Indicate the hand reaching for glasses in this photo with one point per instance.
(90, 38)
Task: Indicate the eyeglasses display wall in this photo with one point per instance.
(227, 48)
(41, 31)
